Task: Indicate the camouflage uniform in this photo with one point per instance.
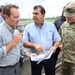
(68, 39)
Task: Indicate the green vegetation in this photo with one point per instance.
(50, 19)
(26, 20)
(46, 19)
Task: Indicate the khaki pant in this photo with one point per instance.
(68, 68)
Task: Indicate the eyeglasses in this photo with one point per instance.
(70, 10)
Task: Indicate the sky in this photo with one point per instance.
(53, 7)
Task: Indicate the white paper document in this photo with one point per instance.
(43, 56)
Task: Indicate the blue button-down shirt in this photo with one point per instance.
(44, 36)
(6, 36)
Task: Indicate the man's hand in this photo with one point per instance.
(32, 55)
(61, 47)
(17, 38)
(53, 48)
(39, 47)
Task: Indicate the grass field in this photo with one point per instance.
(46, 19)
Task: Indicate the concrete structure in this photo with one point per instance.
(21, 25)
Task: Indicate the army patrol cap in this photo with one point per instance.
(69, 10)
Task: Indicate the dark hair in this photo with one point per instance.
(41, 7)
(6, 9)
(62, 16)
(0, 9)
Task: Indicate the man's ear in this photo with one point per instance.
(6, 16)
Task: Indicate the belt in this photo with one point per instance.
(9, 66)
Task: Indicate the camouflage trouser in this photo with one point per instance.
(68, 68)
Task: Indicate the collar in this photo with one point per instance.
(41, 24)
(9, 28)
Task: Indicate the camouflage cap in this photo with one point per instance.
(69, 10)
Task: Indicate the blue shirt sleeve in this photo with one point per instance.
(2, 48)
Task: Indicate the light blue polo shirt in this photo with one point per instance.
(44, 36)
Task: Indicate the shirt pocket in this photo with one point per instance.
(50, 35)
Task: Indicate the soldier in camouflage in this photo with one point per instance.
(67, 31)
